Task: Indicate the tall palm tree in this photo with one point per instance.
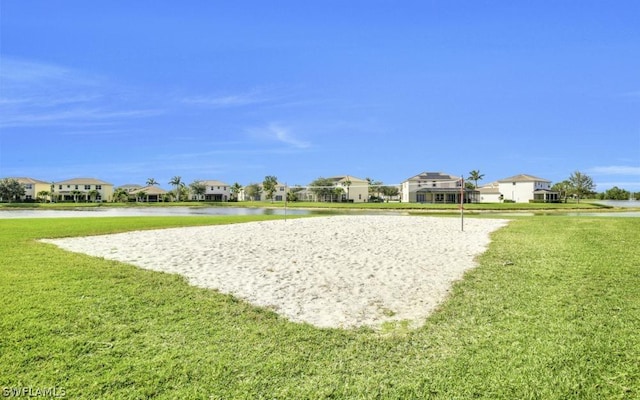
(235, 190)
(176, 181)
(475, 176)
(152, 182)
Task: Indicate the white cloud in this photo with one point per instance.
(41, 94)
(276, 132)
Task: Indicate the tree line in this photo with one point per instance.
(578, 186)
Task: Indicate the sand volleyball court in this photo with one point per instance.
(337, 271)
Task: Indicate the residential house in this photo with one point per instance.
(32, 187)
(354, 190)
(349, 189)
(490, 193)
(83, 189)
(216, 191)
(149, 194)
(436, 187)
(525, 188)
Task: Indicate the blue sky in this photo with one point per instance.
(237, 90)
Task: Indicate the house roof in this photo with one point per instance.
(150, 190)
(30, 180)
(488, 190)
(433, 176)
(83, 181)
(345, 178)
(523, 178)
(214, 182)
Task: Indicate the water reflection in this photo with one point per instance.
(147, 212)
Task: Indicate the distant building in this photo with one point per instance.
(436, 187)
(149, 194)
(524, 188)
(83, 189)
(215, 191)
(32, 187)
(355, 190)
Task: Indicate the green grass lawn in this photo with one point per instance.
(552, 312)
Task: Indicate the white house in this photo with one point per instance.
(215, 191)
(280, 193)
(524, 188)
(490, 193)
(436, 187)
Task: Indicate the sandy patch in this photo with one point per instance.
(338, 271)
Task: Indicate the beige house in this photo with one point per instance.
(524, 188)
(354, 190)
(32, 187)
(350, 189)
(149, 194)
(436, 187)
(83, 189)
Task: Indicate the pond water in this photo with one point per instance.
(619, 203)
(148, 212)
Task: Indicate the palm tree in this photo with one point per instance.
(475, 176)
(347, 183)
(42, 195)
(76, 194)
(120, 195)
(235, 190)
(176, 181)
(93, 194)
(152, 182)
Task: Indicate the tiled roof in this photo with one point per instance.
(83, 181)
(523, 178)
(30, 180)
(433, 176)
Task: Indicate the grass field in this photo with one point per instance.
(552, 312)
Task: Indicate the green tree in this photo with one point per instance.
(390, 191)
(475, 176)
(374, 187)
(235, 190)
(269, 186)
(253, 191)
(93, 194)
(42, 195)
(120, 196)
(615, 193)
(76, 195)
(292, 195)
(581, 184)
(152, 182)
(198, 188)
(11, 189)
(563, 188)
(323, 189)
(176, 182)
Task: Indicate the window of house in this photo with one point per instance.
(98, 187)
(60, 187)
(76, 187)
(87, 187)
(28, 186)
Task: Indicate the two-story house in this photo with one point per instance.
(436, 187)
(83, 189)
